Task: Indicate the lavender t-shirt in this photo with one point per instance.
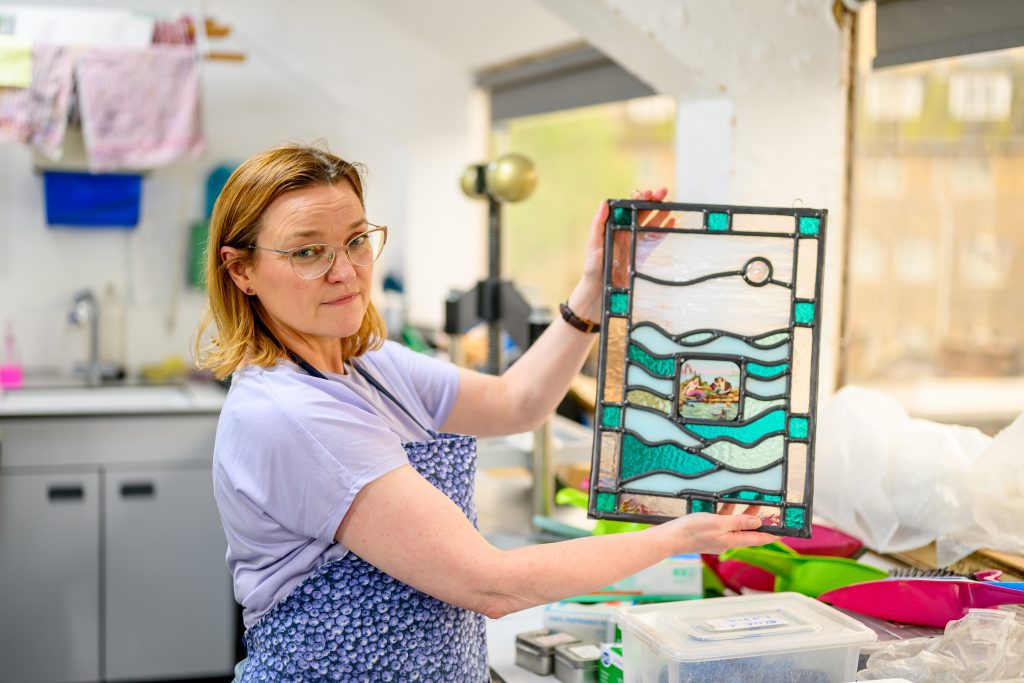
(292, 452)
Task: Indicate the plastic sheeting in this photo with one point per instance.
(900, 483)
(986, 645)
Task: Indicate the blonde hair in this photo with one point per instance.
(243, 333)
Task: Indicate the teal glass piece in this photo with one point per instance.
(809, 225)
(622, 216)
(718, 222)
(797, 427)
(698, 505)
(666, 484)
(666, 367)
(698, 338)
(656, 427)
(749, 433)
(752, 407)
(605, 502)
(619, 303)
(803, 312)
(662, 345)
(611, 416)
(743, 458)
(639, 458)
(794, 518)
(718, 480)
(752, 496)
(775, 388)
(636, 376)
(772, 339)
(759, 370)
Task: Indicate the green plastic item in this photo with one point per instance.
(553, 526)
(713, 586)
(198, 234)
(810, 575)
(603, 526)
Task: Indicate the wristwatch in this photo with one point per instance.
(581, 324)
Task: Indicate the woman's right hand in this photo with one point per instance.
(702, 532)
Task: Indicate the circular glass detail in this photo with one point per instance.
(757, 271)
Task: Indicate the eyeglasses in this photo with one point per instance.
(310, 261)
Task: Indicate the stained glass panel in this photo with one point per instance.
(708, 362)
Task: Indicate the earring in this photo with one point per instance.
(248, 290)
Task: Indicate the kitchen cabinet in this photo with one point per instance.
(49, 577)
(111, 548)
(167, 594)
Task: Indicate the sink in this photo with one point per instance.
(54, 398)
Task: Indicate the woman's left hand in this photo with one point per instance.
(586, 298)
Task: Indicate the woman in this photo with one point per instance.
(341, 469)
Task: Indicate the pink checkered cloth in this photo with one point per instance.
(139, 108)
(38, 115)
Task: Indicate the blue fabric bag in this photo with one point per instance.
(92, 200)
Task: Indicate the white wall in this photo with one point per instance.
(319, 69)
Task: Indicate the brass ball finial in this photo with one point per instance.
(511, 178)
(472, 181)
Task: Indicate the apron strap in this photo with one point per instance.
(380, 387)
(302, 363)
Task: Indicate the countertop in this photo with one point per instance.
(54, 399)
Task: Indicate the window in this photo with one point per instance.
(936, 256)
(582, 156)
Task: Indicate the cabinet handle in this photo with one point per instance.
(138, 490)
(73, 492)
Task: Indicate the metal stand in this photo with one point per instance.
(496, 302)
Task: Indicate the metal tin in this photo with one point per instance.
(577, 663)
(534, 649)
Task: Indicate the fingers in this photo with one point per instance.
(752, 510)
(656, 219)
(650, 195)
(742, 539)
(596, 238)
(727, 509)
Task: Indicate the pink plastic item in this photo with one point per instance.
(11, 376)
(926, 602)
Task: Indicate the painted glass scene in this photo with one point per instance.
(709, 389)
(708, 366)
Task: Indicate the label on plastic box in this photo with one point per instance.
(745, 623)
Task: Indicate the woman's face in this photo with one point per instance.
(331, 306)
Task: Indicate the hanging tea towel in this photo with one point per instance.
(38, 115)
(15, 61)
(139, 108)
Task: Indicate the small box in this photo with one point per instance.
(592, 623)
(679, 577)
(535, 649)
(610, 668)
(577, 663)
(750, 638)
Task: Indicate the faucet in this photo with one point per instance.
(85, 310)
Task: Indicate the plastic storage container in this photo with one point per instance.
(752, 638)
